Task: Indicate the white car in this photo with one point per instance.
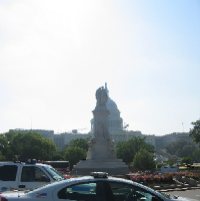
(26, 176)
(97, 187)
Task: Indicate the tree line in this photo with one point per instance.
(19, 145)
(136, 153)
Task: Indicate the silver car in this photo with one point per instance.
(97, 187)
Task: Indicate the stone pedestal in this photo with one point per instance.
(101, 154)
(113, 167)
(101, 157)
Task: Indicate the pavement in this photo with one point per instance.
(174, 187)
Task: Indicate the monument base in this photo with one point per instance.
(112, 167)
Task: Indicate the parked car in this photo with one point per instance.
(97, 187)
(23, 176)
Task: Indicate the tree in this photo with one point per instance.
(3, 147)
(195, 131)
(5, 143)
(76, 151)
(81, 143)
(127, 150)
(24, 145)
(74, 155)
(144, 160)
(186, 151)
(187, 160)
(196, 155)
(181, 148)
(58, 155)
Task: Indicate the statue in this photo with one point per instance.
(101, 155)
(101, 96)
(101, 114)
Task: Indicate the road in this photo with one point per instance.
(192, 194)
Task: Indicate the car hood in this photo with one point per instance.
(13, 193)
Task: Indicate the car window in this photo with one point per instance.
(32, 173)
(84, 191)
(126, 192)
(105, 191)
(54, 173)
(8, 172)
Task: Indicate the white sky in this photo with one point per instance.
(55, 54)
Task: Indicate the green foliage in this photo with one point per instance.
(58, 155)
(195, 131)
(181, 148)
(22, 145)
(74, 155)
(143, 160)
(171, 160)
(184, 148)
(127, 150)
(81, 143)
(3, 146)
(76, 151)
(186, 160)
(196, 155)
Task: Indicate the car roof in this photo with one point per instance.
(81, 179)
(22, 163)
(76, 180)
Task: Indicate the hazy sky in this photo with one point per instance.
(55, 54)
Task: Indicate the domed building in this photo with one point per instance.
(114, 120)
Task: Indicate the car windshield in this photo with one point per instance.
(54, 173)
(163, 194)
(83, 188)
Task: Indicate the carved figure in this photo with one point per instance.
(101, 96)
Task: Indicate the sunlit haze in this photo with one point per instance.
(55, 54)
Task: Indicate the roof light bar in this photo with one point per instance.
(99, 174)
